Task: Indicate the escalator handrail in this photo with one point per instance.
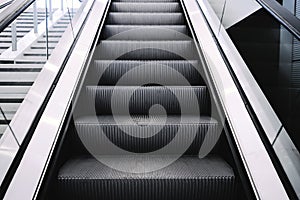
(283, 15)
(10, 13)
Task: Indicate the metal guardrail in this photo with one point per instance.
(283, 15)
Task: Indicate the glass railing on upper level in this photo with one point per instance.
(265, 57)
(25, 46)
(30, 34)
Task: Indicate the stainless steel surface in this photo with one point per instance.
(255, 158)
(45, 136)
(289, 155)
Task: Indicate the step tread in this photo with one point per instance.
(186, 167)
(186, 178)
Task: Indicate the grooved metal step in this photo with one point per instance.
(145, 18)
(142, 133)
(112, 30)
(146, 50)
(146, 33)
(145, 7)
(138, 100)
(130, 72)
(187, 178)
(144, 103)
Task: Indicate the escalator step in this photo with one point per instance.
(145, 7)
(174, 99)
(145, 18)
(111, 30)
(146, 50)
(139, 109)
(129, 72)
(146, 1)
(141, 134)
(187, 178)
(146, 33)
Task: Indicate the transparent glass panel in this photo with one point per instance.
(26, 45)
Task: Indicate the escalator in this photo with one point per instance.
(144, 51)
(145, 105)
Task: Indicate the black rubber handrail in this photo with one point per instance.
(283, 15)
(12, 12)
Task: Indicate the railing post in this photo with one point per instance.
(50, 10)
(14, 36)
(62, 5)
(35, 20)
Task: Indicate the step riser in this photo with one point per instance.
(146, 34)
(173, 50)
(156, 189)
(187, 178)
(111, 30)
